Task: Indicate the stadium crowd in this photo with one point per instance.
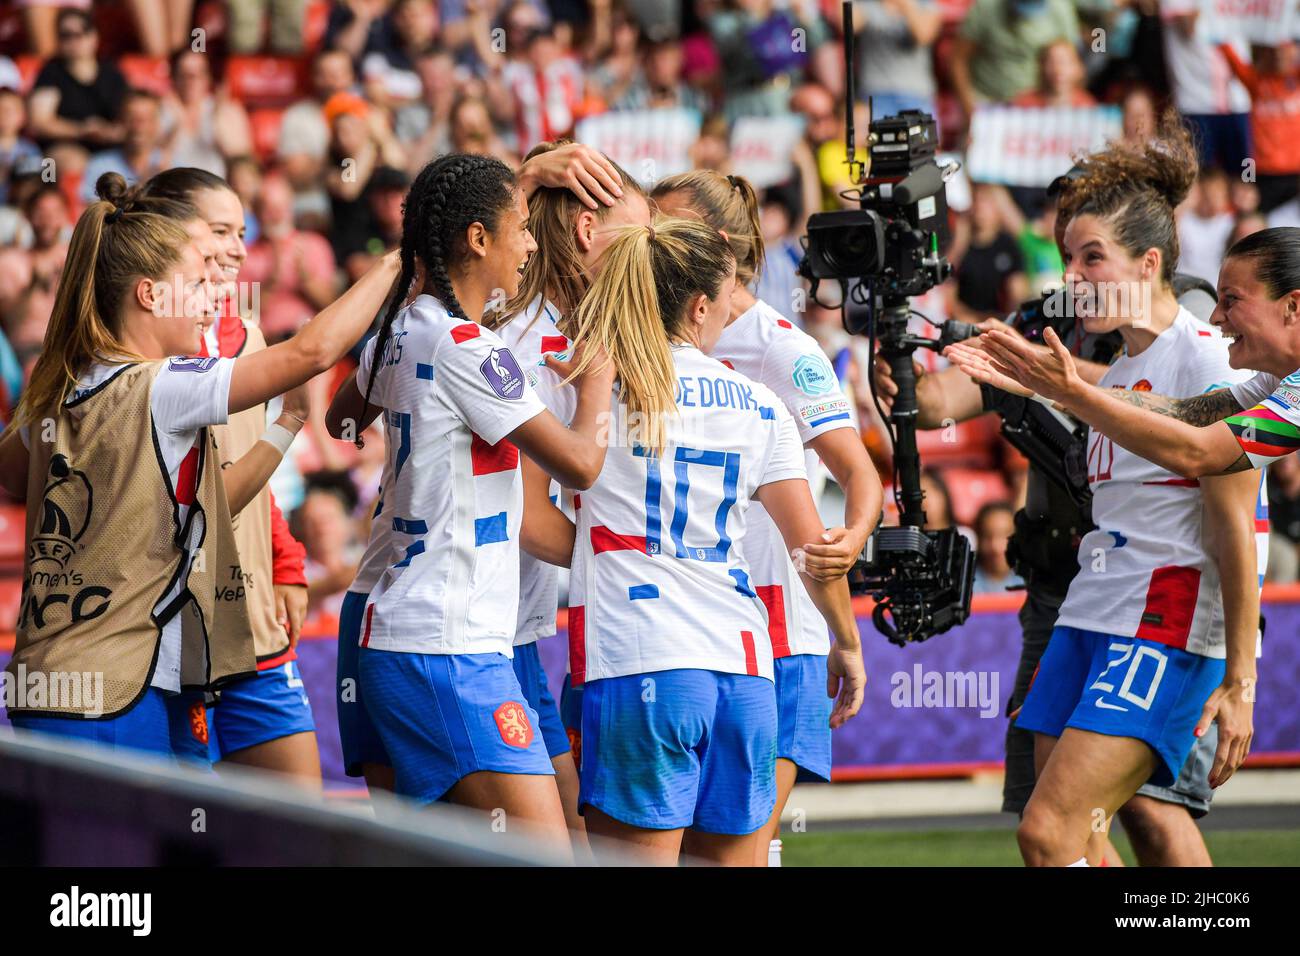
(320, 113)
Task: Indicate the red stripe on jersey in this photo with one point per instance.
(1261, 526)
(729, 365)
(489, 459)
(784, 323)
(554, 343)
(577, 646)
(1205, 335)
(751, 654)
(464, 332)
(187, 477)
(577, 502)
(602, 539)
(773, 598)
(1177, 482)
(1171, 603)
(365, 638)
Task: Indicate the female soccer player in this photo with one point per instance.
(666, 630)
(761, 344)
(439, 625)
(570, 239)
(267, 722)
(116, 376)
(594, 181)
(1168, 583)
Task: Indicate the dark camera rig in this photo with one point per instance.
(881, 254)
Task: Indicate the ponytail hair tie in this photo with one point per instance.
(732, 181)
(651, 228)
(115, 215)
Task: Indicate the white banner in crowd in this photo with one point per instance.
(649, 144)
(1031, 146)
(1266, 22)
(762, 148)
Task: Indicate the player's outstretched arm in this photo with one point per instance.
(790, 504)
(348, 417)
(262, 375)
(1182, 448)
(1230, 502)
(547, 533)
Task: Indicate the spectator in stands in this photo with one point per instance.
(1272, 79)
(248, 16)
(15, 290)
(425, 130)
(1036, 236)
(1060, 78)
(895, 41)
(40, 20)
(1245, 224)
(76, 97)
(295, 269)
(995, 58)
(18, 155)
(304, 133)
(1243, 196)
(616, 58)
(362, 142)
(381, 230)
(142, 152)
(938, 502)
(778, 284)
(46, 209)
(545, 88)
(759, 61)
(990, 270)
(205, 127)
(994, 524)
(660, 83)
(1203, 88)
(358, 27)
(823, 135)
(245, 178)
(1139, 115)
(471, 131)
(390, 74)
(324, 525)
(1204, 223)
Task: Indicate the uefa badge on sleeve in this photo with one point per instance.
(503, 374)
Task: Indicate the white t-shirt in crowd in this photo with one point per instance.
(1145, 570)
(660, 578)
(1199, 76)
(451, 393)
(765, 346)
(528, 335)
(1202, 243)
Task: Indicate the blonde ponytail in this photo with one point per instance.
(637, 307)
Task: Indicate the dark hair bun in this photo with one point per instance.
(111, 187)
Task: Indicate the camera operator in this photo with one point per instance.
(1044, 551)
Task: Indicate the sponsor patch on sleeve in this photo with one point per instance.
(813, 375)
(181, 364)
(503, 375)
(820, 410)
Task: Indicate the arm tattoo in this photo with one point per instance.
(1200, 410)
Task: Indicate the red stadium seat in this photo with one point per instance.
(13, 534)
(970, 489)
(971, 444)
(146, 72)
(265, 81)
(266, 132)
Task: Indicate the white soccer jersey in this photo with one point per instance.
(764, 346)
(1145, 571)
(660, 580)
(528, 335)
(451, 393)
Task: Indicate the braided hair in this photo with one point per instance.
(449, 194)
